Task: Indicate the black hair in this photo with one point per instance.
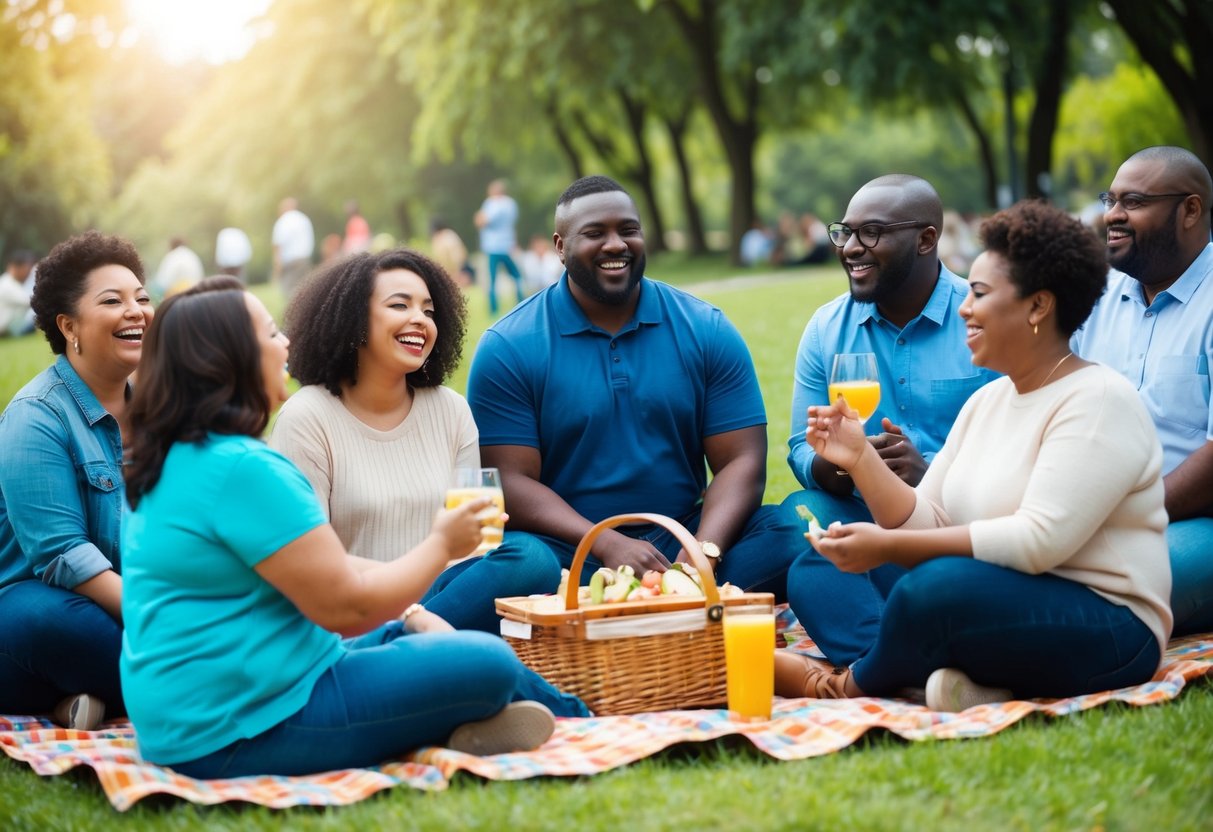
(587, 185)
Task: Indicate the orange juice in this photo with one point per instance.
(749, 657)
(862, 396)
(491, 526)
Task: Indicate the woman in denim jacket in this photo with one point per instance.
(61, 491)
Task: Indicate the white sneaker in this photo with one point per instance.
(82, 712)
(949, 689)
(519, 726)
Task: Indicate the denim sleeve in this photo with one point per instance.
(809, 386)
(42, 497)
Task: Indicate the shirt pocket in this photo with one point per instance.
(103, 497)
(1181, 390)
(948, 396)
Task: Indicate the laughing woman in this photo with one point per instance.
(61, 488)
(1034, 544)
(374, 338)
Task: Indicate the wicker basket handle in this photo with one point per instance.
(689, 545)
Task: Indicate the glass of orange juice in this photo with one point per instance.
(749, 659)
(468, 484)
(856, 379)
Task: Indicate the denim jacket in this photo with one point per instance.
(61, 491)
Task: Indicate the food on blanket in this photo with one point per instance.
(815, 529)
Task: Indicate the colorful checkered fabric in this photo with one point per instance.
(799, 728)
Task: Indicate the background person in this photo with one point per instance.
(376, 432)
(226, 531)
(1034, 549)
(496, 219)
(61, 487)
(16, 292)
(294, 241)
(233, 251)
(180, 269)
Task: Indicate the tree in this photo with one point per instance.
(1175, 37)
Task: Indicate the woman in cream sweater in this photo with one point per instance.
(374, 337)
(1034, 548)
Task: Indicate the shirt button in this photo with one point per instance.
(901, 341)
(902, 408)
(901, 381)
(1149, 314)
(612, 345)
(616, 359)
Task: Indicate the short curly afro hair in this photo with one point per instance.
(327, 320)
(63, 273)
(1048, 250)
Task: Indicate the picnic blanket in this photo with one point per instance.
(798, 729)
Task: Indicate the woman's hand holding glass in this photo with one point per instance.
(461, 528)
(835, 432)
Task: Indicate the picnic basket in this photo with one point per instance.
(632, 656)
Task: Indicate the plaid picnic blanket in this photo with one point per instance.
(798, 729)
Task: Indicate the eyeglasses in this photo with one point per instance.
(1131, 202)
(869, 234)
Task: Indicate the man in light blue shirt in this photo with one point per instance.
(902, 306)
(496, 219)
(1155, 326)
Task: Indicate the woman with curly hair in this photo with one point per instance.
(61, 487)
(1036, 561)
(376, 433)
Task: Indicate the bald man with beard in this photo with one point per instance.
(1155, 326)
(901, 306)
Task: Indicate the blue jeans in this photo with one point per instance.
(1038, 635)
(56, 643)
(464, 593)
(757, 562)
(511, 267)
(1191, 545)
(391, 693)
(841, 611)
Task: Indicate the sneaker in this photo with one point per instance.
(519, 726)
(949, 689)
(82, 712)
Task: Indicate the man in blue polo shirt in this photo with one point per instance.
(1155, 326)
(901, 306)
(607, 392)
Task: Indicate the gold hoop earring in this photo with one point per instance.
(76, 345)
(1035, 329)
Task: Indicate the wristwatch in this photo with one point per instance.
(711, 551)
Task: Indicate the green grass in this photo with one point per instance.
(1114, 768)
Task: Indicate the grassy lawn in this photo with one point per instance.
(1115, 768)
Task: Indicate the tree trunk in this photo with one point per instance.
(737, 135)
(565, 142)
(642, 172)
(1043, 126)
(697, 242)
(404, 220)
(1010, 128)
(1156, 29)
(985, 149)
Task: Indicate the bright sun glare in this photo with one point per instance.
(183, 30)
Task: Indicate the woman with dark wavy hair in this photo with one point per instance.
(238, 591)
(1035, 562)
(61, 487)
(375, 337)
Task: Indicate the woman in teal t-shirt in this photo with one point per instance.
(237, 591)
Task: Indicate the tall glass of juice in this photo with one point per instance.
(468, 484)
(856, 379)
(749, 658)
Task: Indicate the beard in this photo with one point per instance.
(1150, 253)
(584, 278)
(892, 274)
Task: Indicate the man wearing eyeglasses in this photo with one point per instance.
(1155, 325)
(902, 306)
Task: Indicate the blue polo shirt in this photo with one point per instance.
(926, 371)
(1164, 349)
(619, 420)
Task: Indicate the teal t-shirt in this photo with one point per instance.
(211, 652)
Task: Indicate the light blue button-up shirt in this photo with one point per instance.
(926, 371)
(61, 491)
(497, 233)
(1164, 349)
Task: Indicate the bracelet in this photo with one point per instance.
(411, 609)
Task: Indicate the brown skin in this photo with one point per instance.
(594, 229)
(1189, 487)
